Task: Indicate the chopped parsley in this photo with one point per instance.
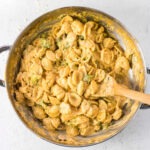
(41, 103)
(57, 63)
(104, 126)
(34, 79)
(45, 44)
(80, 37)
(63, 63)
(66, 46)
(87, 78)
(58, 42)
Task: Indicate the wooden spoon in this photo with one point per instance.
(110, 87)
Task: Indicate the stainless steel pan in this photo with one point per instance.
(138, 73)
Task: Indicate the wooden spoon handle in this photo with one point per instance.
(139, 96)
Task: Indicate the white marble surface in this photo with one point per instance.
(15, 15)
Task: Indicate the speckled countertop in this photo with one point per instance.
(15, 15)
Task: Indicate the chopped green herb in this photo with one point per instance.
(64, 36)
(80, 37)
(45, 44)
(57, 63)
(86, 58)
(34, 79)
(58, 42)
(41, 103)
(87, 78)
(104, 126)
(66, 46)
(110, 100)
(44, 35)
(64, 63)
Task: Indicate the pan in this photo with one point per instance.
(138, 72)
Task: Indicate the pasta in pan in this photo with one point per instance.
(62, 69)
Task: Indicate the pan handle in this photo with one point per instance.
(2, 49)
(144, 106)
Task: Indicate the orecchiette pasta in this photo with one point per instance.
(50, 79)
(93, 87)
(92, 112)
(64, 69)
(109, 43)
(39, 112)
(107, 56)
(51, 55)
(58, 54)
(87, 131)
(79, 120)
(71, 85)
(74, 99)
(58, 92)
(81, 88)
(77, 27)
(108, 119)
(65, 108)
(47, 64)
(88, 32)
(122, 64)
(40, 52)
(76, 77)
(72, 130)
(101, 115)
(67, 117)
(64, 72)
(55, 122)
(48, 124)
(52, 111)
(102, 105)
(19, 97)
(54, 100)
(85, 106)
(99, 75)
(71, 39)
(111, 108)
(117, 114)
(62, 82)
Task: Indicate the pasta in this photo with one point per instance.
(61, 73)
